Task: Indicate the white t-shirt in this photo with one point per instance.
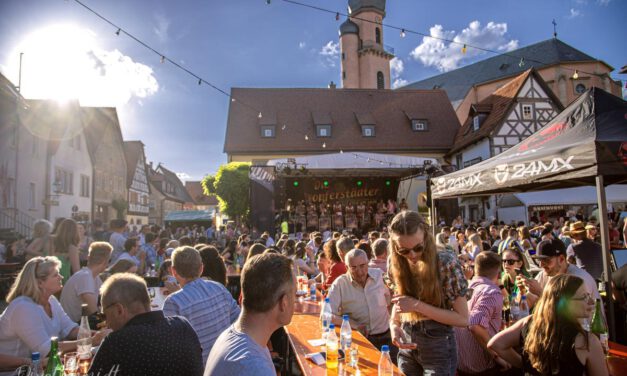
(25, 327)
(81, 282)
(588, 281)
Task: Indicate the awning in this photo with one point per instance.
(189, 216)
(353, 160)
(572, 196)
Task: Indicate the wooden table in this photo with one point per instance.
(617, 359)
(305, 326)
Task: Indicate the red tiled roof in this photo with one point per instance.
(194, 188)
(300, 109)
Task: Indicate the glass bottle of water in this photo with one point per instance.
(84, 332)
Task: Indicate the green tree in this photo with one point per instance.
(231, 186)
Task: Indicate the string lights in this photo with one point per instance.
(403, 34)
(464, 49)
(576, 75)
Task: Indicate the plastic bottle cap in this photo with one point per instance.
(385, 348)
(345, 317)
(35, 356)
(331, 326)
(326, 300)
(524, 297)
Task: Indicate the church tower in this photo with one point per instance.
(365, 59)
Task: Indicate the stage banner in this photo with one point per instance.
(342, 190)
(262, 179)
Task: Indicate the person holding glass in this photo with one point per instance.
(552, 339)
(34, 314)
(432, 298)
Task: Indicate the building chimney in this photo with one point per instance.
(332, 85)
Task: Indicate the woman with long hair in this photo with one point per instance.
(513, 262)
(34, 314)
(474, 246)
(441, 243)
(41, 243)
(552, 339)
(213, 265)
(66, 241)
(337, 266)
(432, 298)
(525, 234)
(302, 264)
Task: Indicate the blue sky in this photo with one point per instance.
(247, 43)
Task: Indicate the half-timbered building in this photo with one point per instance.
(500, 121)
(138, 186)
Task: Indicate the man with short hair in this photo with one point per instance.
(133, 253)
(587, 253)
(207, 305)
(83, 286)
(117, 238)
(551, 255)
(143, 342)
(380, 259)
(373, 235)
(512, 236)
(484, 321)
(344, 245)
(269, 293)
(362, 295)
(149, 248)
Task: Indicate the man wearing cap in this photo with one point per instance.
(551, 255)
(587, 253)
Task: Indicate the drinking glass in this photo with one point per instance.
(151, 292)
(70, 364)
(353, 355)
(84, 362)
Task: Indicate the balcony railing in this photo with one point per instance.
(370, 44)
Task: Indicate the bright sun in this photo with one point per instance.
(64, 62)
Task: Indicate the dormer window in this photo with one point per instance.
(367, 130)
(476, 123)
(323, 130)
(268, 131)
(419, 125)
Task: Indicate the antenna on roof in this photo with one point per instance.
(554, 29)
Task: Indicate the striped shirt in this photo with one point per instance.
(208, 306)
(485, 307)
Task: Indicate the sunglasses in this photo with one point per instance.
(585, 297)
(510, 262)
(418, 248)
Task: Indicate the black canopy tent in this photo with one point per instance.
(586, 144)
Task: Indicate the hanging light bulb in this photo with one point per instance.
(522, 62)
(575, 75)
(324, 145)
(283, 127)
(118, 32)
(199, 81)
(306, 138)
(337, 16)
(162, 59)
(259, 116)
(268, 2)
(233, 100)
(403, 34)
(341, 151)
(464, 49)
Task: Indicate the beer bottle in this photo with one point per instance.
(599, 327)
(54, 367)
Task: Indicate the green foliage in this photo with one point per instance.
(208, 188)
(231, 186)
(120, 205)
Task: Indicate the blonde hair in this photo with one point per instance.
(187, 262)
(99, 252)
(475, 239)
(41, 228)
(426, 286)
(35, 270)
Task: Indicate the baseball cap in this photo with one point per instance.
(549, 248)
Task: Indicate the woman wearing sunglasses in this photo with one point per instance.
(552, 340)
(513, 263)
(432, 298)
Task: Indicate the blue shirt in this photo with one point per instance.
(151, 254)
(235, 353)
(208, 306)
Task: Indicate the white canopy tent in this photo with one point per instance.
(571, 196)
(354, 160)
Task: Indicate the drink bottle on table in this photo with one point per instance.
(54, 367)
(346, 335)
(332, 348)
(386, 367)
(84, 332)
(35, 367)
(599, 327)
(326, 316)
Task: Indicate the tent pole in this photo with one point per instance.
(605, 243)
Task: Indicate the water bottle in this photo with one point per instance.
(385, 362)
(84, 332)
(346, 335)
(514, 308)
(326, 316)
(523, 309)
(35, 368)
(312, 292)
(332, 348)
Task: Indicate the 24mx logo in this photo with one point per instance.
(530, 169)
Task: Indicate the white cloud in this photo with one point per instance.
(399, 82)
(161, 30)
(302, 45)
(330, 53)
(65, 62)
(604, 2)
(573, 13)
(396, 67)
(446, 56)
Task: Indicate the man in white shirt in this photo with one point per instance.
(83, 286)
(362, 295)
(551, 254)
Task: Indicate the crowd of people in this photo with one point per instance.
(438, 302)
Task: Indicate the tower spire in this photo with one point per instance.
(554, 29)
